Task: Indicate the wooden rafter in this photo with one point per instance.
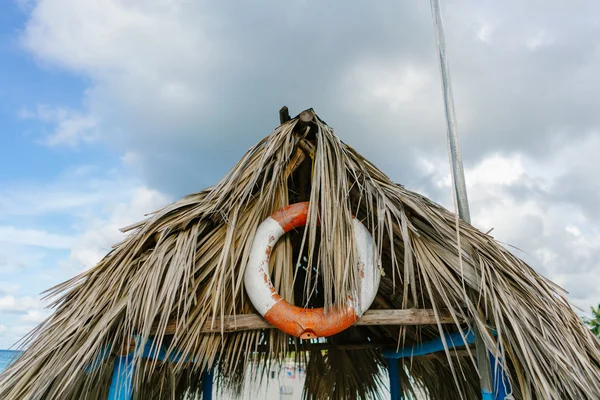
(248, 322)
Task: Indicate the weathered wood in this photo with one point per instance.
(307, 147)
(304, 148)
(247, 322)
(295, 162)
(307, 116)
(284, 115)
(306, 119)
(412, 316)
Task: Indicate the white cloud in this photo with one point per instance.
(514, 195)
(35, 316)
(168, 74)
(8, 288)
(484, 32)
(143, 57)
(24, 200)
(21, 314)
(18, 260)
(92, 209)
(70, 127)
(394, 86)
(34, 237)
(497, 170)
(98, 233)
(119, 37)
(539, 39)
(12, 334)
(73, 192)
(20, 305)
(190, 85)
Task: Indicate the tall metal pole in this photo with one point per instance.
(458, 173)
(458, 178)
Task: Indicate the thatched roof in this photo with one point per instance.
(183, 267)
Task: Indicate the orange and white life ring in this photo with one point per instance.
(306, 323)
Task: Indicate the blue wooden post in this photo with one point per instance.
(457, 339)
(485, 395)
(499, 379)
(207, 385)
(395, 392)
(121, 386)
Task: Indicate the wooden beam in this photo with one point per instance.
(284, 115)
(248, 322)
(306, 116)
(307, 146)
(295, 162)
(411, 316)
(304, 148)
(306, 119)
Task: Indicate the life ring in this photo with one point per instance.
(306, 323)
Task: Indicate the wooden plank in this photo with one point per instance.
(307, 146)
(411, 316)
(295, 162)
(247, 322)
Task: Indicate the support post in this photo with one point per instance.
(207, 384)
(284, 115)
(121, 386)
(458, 176)
(500, 380)
(395, 391)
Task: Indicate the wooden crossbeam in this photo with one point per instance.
(248, 322)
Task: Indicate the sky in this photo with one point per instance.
(110, 109)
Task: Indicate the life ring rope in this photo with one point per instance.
(306, 323)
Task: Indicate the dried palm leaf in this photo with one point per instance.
(184, 266)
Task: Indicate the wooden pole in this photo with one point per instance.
(248, 322)
(284, 115)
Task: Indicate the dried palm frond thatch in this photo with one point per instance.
(183, 268)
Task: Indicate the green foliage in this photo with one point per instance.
(594, 322)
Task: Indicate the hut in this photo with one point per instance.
(181, 303)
